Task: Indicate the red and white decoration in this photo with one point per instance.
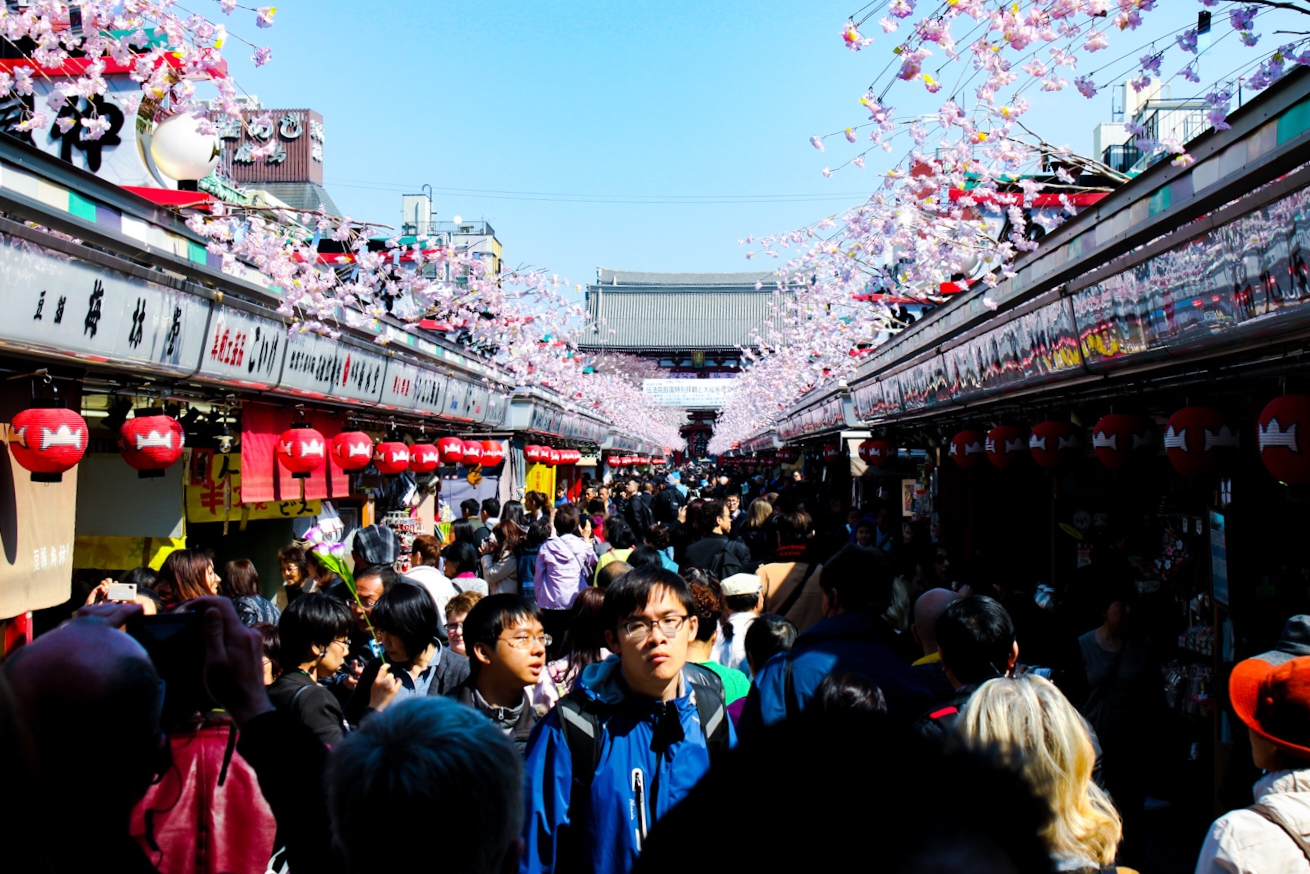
(1196, 437)
(1118, 437)
(877, 452)
(493, 453)
(301, 450)
(540, 454)
(452, 450)
(1005, 445)
(788, 454)
(554, 458)
(352, 450)
(831, 452)
(1054, 444)
(424, 457)
(472, 453)
(967, 449)
(48, 441)
(1282, 440)
(151, 444)
(391, 457)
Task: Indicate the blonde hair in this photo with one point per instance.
(758, 513)
(1034, 726)
(898, 612)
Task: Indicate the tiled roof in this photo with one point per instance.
(652, 318)
(607, 277)
(299, 195)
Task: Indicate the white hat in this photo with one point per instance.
(741, 584)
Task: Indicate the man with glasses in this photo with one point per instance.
(506, 647)
(630, 740)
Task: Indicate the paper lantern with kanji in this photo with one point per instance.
(301, 450)
(493, 453)
(536, 454)
(151, 444)
(554, 458)
(1005, 445)
(352, 450)
(391, 457)
(1053, 444)
(878, 452)
(967, 449)
(789, 454)
(424, 458)
(48, 441)
(1195, 438)
(452, 450)
(831, 452)
(1283, 440)
(472, 453)
(1118, 437)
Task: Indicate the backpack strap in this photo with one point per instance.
(713, 713)
(1273, 816)
(785, 607)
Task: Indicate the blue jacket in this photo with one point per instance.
(608, 836)
(847, 642)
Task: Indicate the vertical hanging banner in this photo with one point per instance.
(36, 539)
(266, 481)
(541, 478)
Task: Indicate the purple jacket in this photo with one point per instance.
(564, 567)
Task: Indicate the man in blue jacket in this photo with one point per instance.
(857, 588)
(630, 741)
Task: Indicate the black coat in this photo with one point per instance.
(452, 669)
(298, 695)
(705, 553)
(518, 732)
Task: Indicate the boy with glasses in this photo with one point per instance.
(507, 652)
(630, 740)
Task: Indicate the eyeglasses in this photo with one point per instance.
(525, 642)
(367, 603)
(454, 626)
(345, 643)
(639, 629)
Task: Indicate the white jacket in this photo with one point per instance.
(1246, 842)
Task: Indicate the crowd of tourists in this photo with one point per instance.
(690, 668)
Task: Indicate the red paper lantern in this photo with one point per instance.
(1053, 444)
(1005, 445)
(452, 450)
(151, 444)
(493, 453)
(789, 454)
(48, 441)
(352, 450)
(831, 452)
(1118, 437)
(472, 453)
(302, 451)
(391, 457)
(1195, 437)
(878, 452)
(1283, 422)
(535, 454)
(967, 449)
(554, 458)
(424, 458)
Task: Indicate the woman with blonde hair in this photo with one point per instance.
(1030, 722)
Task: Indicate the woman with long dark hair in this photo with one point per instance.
(240, 583)
(500, 557)
(187, 574)
(583, 645)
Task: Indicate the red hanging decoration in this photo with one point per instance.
(967, 449)
(789, 454)
(1118, 437)
(452, 450)
(151, 444)
(1005, 446)
(1195, 438)
(553, 460)
(352, 450)
(831, 452)
(535, 454)
(301, 450)
(493, 453)
(391, 457)
(1053, 444)
(878, 452)
(1283, 423)
(424, 458)
(472, 453)
(48, 441)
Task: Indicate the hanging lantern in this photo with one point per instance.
(554, 458)
(1118, 437)
(1195, 438)
(535, 454)
(352, 450)
(424, 458)
(151, 444)
(618, 461)
(789, 454)
(452, 450)
(1282, 424)
(301, 450)
(48, 441)
(391, 457)
(967, 449)
(1005, 445)
(1053, 444)
(472, 453)
(831, 452)
(878, 452)
(493, 453)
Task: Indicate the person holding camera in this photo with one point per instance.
(315, 633)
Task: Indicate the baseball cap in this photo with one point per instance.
(741, 584)
(1274, 701)
(377, 544)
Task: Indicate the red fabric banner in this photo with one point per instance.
(263, 479)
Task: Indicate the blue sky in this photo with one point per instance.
(621, 101)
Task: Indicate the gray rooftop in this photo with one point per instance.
(298, 195)
(608, 277)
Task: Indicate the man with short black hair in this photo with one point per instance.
(506, 647)
(638, 512)
(630, 740)
(488, 518)
(715, 552)
(976, 638)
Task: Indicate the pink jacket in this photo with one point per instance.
(564, 567)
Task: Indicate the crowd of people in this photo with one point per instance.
(693, 667)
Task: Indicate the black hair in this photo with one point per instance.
(384, 572)
(645, 556)
(631, 593)
(768, 635)
(741, 603)
(313, 619)
(539, 531)
(142, 577)
(463, 554)
(491, 506)
(846, 692)
(567, 520)
(491, 616)
(595, 507)
(976, 638)
(618, 534)
(512, 511)
(709, 513)
(464, 531)
(862, 577)
(469, 506)
(407, 611)
(657, 535)
(272, 645)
